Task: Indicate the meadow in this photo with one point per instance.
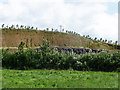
(58, 79)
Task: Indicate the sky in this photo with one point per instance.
(97, 18)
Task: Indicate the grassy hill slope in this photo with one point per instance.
(12, 38)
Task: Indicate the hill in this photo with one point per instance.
(34, 38)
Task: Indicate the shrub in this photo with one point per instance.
(47, 58)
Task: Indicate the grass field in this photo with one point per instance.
(58, 79)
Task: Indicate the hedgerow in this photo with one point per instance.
(46, 58)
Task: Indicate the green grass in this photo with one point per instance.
(58, 79)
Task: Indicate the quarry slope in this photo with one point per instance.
(34, 38)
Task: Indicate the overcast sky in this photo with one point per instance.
(97, 18)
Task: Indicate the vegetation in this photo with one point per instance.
(24, 61)
(58, 79)
(51, 59)
(101, 40)
(4, 27)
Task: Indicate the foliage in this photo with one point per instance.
(46, 58)
(30, 28)
(27, 43)
(21, 46)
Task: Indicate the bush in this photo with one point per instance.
(47, 58)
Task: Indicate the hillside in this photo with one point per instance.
(34, 38)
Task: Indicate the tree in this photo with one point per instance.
(45, 46)
(95, 38)
(28, 27)
(47, 29)
(25, 27)
(63, 30)
(74, 32)
(105, 40)
(7, 27)
(36, 28)
(12, 27)
(66, 31)
(83, 35)
(52, 29)
(3, 26)
(110, 41)
(21, 27)
(17, 26)
(116, 42)
(56, 30)
(87, 36)
(31, 42)
(27, 42)
(100, 39)
(21, 46)
(32, 28)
